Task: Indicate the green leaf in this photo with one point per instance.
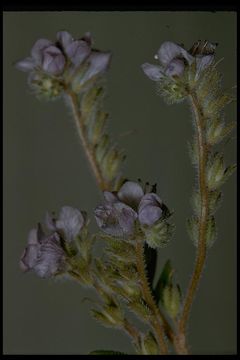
(150, 255)
(164, 279)
(106, 352)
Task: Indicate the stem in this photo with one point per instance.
(156, 319)
(102, 184)
(201, 251)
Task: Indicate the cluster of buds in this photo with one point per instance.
(55, 66)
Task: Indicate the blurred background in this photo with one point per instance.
(45, 168)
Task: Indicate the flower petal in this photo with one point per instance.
(202, 62)
(107, 220)
(149, 214)
(32, 237)
(26, 64)
(37, 48)
(126, 218)
(51, 257)
(53, 64)
(154, 72)
(64, 38)
(110, 197)
(150, 199)
(88, 38)
(169, 50)
(50, 222)
(115, 219)
(98, 63)
(130, 193)
(70, 221)
(78, 51)
(175, 68)
(29, 257)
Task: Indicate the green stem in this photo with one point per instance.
(101, 182)
(156, 319)
(201, 251)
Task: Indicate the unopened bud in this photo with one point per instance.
(159, 234)
(215, 171)
(46, 86)
(172, 300)
(149, 345)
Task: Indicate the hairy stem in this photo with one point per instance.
(73, 99)
(201, 250)
(156, 319)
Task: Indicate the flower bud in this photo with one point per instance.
(45, 86)
(99, 126)
(110, 315)
(215, 171)
(214, 199)
(214, 131)
(159, 234)
(90, 98)
(102, 148)
(149, 344)
(172, 300)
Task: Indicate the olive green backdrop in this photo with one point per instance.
(44, 168)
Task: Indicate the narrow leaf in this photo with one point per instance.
(164, 279)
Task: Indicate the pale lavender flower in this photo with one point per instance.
(173, 60)
(68, 224)
(66, 53)
(116, 219)
(44, 55)
(121, 209)
(44, 254)
(70, 221)
(149, 210)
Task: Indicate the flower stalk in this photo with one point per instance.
(101, 182)
(202, 249)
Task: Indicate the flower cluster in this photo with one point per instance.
(46, 253)
(53, 64)
(174, 59)
(121, 209)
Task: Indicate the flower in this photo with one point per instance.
(174, 59)
(69, 223)
(121, 209)
(43, 254)
(116, 219)
(44, 55)
(66, 53)
(46, 252)
(149, 210)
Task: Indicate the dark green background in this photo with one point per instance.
(44, 168)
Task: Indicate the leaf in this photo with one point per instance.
(150, 255)
(164, 279)
(106, 352)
